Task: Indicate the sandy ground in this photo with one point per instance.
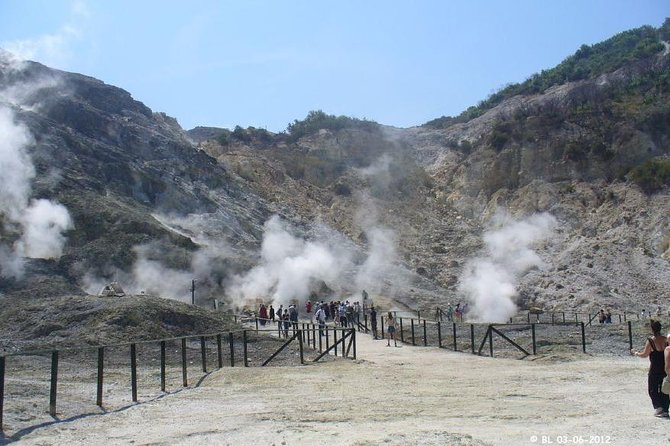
(390, 396)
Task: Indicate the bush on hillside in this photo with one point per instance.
(317, 120)
(652, 175)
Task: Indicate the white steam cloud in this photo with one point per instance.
(289, 267)
(16, 168)
(43, 224)
(490, 281)
(39, 224)
(151, 276)
(374, 273)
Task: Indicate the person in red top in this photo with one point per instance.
(263, 314)
(654, 350)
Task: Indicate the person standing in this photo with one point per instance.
(263, 314)
(287, 322)
(654, 349)
(373, 321)
(293, 315)
(320, 317)
(390, 323)
(272, 313)
(342, 312)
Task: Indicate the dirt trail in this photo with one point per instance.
(392, 396)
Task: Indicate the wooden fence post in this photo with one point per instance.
(163, 357)
(532, 328)
(439, 334)
(54, 383)
(184, 376)
(630, 336)
(472, 337)
(313, 328)
(583, 338)
(101, 362)
(232, 349)
(455, 349)
(320, 339)
(133, 371)
(219, 350)
(302, 356)
(490, 340)
(402, 334)
(425, 336)
(203, 353)
(412, 324)
(246, 357)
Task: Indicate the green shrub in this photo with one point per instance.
(652, 175)
(342, 189)
(501, 134)
(317, 120)
(241, 135)
(224, 138)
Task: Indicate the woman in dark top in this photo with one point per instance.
(654, 349)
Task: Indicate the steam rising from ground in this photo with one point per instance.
(289, 267)
(490, 280)
(151, 276)
(39, 224)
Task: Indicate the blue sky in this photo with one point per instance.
(267, 63)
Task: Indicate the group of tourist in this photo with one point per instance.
(453, 313)
(343, 313)
(288, 316)
(657, 349)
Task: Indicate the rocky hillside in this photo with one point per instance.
(591, 151)
(124, 174)
(552, 193)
